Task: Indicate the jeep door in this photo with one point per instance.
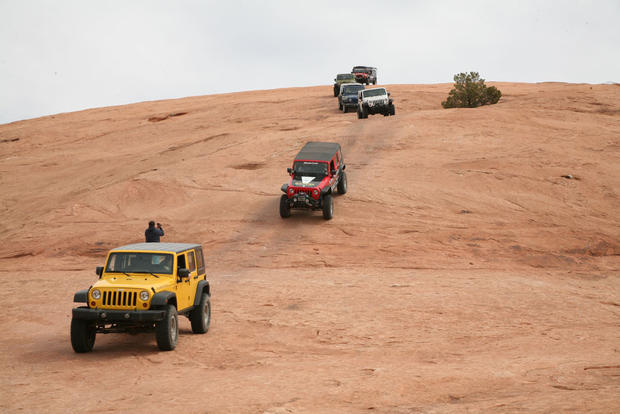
(333, 181)
(186, 287)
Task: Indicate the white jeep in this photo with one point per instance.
(374, 101)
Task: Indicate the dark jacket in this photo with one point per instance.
(152, 234)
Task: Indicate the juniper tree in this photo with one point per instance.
(470, 92)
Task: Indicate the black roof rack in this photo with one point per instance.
(158, 247)
(319, 151)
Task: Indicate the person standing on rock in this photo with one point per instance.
(152, 234)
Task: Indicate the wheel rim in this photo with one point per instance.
(207, 311)
(173, 329)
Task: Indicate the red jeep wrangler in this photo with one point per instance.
(318, 170)
(365, 74)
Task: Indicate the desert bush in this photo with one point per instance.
(470, 92)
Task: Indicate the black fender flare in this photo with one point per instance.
(81, 296)
(203, 286)
(161, 299)
(284, 188)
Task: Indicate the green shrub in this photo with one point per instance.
(470, 92)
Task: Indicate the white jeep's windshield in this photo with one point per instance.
(374, 92)
(124, 262)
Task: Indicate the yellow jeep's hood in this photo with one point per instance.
(135, 281)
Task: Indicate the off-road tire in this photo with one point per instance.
(359, 114)
(392, 110)
(342, 183)
(339, 106)
(83, 335)
(345, 109)
(336, 90)
(364, 113)
(285, 210)
(201, 316)
(167, 330)
(328, 207)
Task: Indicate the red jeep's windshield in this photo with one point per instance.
(309, 169)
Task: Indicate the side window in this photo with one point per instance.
(200, 261)
(181, 261)
(191, 262)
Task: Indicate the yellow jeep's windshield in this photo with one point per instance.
(127, 262)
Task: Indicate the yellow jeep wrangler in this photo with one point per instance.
(144, 287)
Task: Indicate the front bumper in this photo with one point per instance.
(377, 108)
(303, 200)
(111, 316)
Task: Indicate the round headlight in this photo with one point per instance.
(291, 191)
(96, 294)
(144, 296)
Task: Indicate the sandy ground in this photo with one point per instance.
(461, 272)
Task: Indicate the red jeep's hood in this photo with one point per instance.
(309, 183)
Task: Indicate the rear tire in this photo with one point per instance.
(285, 210)
(83, 335)
(201, 316)
(336, 90)
(328, 207)
(167, 330)
(342, 184)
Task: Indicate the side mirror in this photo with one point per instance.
(289, 170)
(99, 270)
(389, 94)
(183, 273)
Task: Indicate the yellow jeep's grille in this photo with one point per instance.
(119, 298)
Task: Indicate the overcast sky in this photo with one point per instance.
(63, 55)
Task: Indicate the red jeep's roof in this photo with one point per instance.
(318, 151)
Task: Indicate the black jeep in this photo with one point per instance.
(347, 98)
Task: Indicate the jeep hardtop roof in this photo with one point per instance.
(319, 151)
(158, 247)
(363, 67)
(365, 91)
